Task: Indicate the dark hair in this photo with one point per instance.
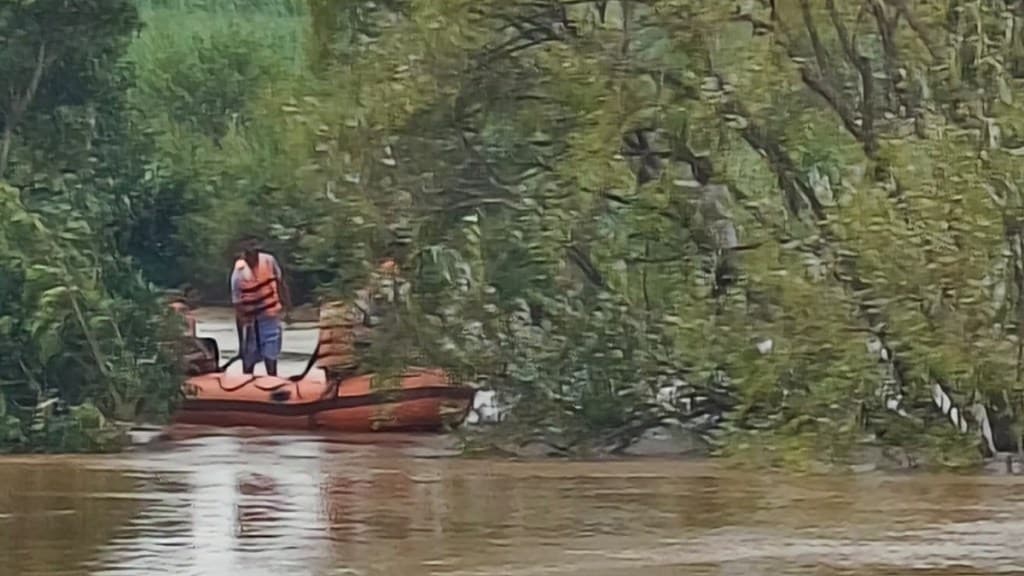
(248, 243)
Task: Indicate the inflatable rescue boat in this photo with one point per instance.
(418, 399)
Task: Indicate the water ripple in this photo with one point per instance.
(274, 505)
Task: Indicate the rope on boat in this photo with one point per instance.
(334, 353)
(252, 380)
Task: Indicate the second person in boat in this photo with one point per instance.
(260, 295)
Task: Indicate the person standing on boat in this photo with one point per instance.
(259, 294)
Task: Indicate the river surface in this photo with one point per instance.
(252, 504)
(302, 505)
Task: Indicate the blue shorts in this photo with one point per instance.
(262, 340)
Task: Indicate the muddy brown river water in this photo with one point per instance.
(254, 504)
(301, 505)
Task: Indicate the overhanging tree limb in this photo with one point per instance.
(18, 105)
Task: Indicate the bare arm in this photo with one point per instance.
(240, 328)
(282, 286)
(240, 319)
(286, 295)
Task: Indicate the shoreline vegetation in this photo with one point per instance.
(791, 230)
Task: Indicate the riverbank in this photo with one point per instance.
(480, 438)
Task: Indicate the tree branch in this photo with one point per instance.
(821, 55)
(823, 82)
(844, 270)
(863, 67)
(821, 88)
(796, 190)
(916, 26)
(18, 107)
(890, 52)
(582, 261)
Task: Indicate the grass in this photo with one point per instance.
(172, 25)
(279, 8)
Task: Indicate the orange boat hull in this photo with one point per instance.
(418, 400)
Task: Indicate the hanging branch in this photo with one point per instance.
(798, 191)
(582, 261)
(820, 81)
(891, 55)
(19, 105)
(863, 67)
(919, 29)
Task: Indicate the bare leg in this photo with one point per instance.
(248, 338)
(270, 343)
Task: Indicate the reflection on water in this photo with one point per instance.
(303, 506)
(237, 506)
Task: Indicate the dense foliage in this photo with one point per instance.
(782, 223)
(80, 329)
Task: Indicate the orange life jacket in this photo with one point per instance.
(386, 279)
(336, 353)
(342, 327)
(259, 287)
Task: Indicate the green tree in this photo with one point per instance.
(57, 59)
(800, 215)
(82, 329)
